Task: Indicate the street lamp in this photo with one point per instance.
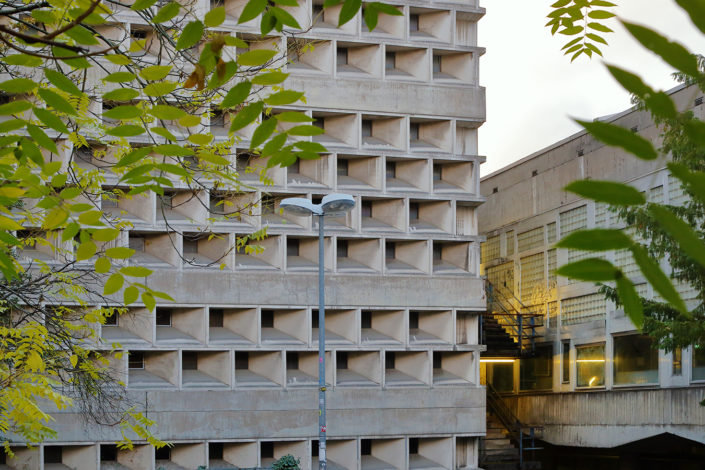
(331, 205)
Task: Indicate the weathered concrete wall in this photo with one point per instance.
(612, 418)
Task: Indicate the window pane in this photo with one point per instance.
(698, 363)
(635, 361)
(566, 362)
(536, 373)
(677, 361)
(590, 365)
(501, 376)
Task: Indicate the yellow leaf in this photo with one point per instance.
(74, 360)
(9, 224)
(34, 362)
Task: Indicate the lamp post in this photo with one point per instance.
(331, 205)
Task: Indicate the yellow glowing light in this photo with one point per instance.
(592, 381)
(590, 360)
(496, 360)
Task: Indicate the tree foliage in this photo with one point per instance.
(584, 22)
(675, 233)
(94, 111)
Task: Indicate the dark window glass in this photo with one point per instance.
(366, 319)
(437, 251)
(389, 250)
(414, 131)
(342, 249)
(189, 360)
(267, 318)
(536, 373)
(292, 247)
(390, 59)
(366, 128)
(366, 208)
(215, 450)
(341, 360)
(292, 360)
(108, 452)
(163, 317)
(242, 361)
(436, 64)
(163, 453)
(52, 454)
(437, 360)
(135, 360)
(389, 359)
(413, 211)
(413, 445)
(414, 320)
(437, 172)
(342, 167)
(136, 242)
(413, 22)
(635, 360)
(366, 446)
(677, 361)
(565, 369)
(342, 56)
(314, 318)
(215, 318)
(391, 170)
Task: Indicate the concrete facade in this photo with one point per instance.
(595, 383)
(229, 370)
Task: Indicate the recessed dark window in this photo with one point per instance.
(342, 56)
(217, 118)
(292, 360)
(365, 446)
(292, 247)
(135, 360)
(189, 360)
(163, 453)
(190, 247)
(366, 319)
(436, 64)
(215, 318)
(437, 251)
(366, 127)
(342, 167)
(390, 60)
(138, 34)
(136, 242)
(413, 22)
(112, 320)
(413, 320)
(341, 360)
(535, 173)
(242, 361)
(391, 170)
(437, 172)
(314, 318)
(389, 359)
(495, 190)
(266, 450)
(581, 152)
(267, 318)
(698, 101)
(314, 448)
(414, 131)
(413, 211)
(109, 203)
(163, 317)
(413, 445)
(366, 208)
(108, 453)
(167, 200)
(52, 454)
(390, 250)
(294, 168)
(267, 203)
(215, 450)
(437, 360)
(342, 249)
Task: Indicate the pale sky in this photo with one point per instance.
(533, 89)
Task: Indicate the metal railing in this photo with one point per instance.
(514, 317)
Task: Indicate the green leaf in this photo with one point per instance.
(113, 284)
(246, 116)
(273, 145)
(656, 277)
(127, 130)
(133, 157)
(14, 107)
(596, 38)
(85, 250)
(11, 125)
(105, 234)
(271, 78)
(70, 231)
(215, 17)
(572, 31)
(173, 150)
(213, 158)
(41, 138)
(236, 95)
(284, 17)
(607, 191)
(161, 131)
(600, 14)
(262, 132)
(142, 4)
(620, 137)
(71, 192)
(51, 120)
(688, 241)
(696, 11)
(693, 180)
(672, 53)
(118, 59)
(90, 218)
(155, 72)
(167, 12)
(136, 271)
(591, 269)
(102, 265)
(305, 130)
(600, 27)
(120, 77)
(293, 116)
(23, 60)
(348, 11)
(253, 9)
(191, 35)
(130, 295)
(283, 98)
(160, 88)
(123, 112)
(57, 102)
(311, 146)
(62, 82)
(121, 94)
(256, 57)
(631, 301)
(81, 35)
(148, 301)
(18, 85)
(119, 252)
(167, 112)
(200, 139)
(596, 240)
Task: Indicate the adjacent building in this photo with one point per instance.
(603, 395)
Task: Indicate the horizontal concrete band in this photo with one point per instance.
(392, 97)
(293, 414)
(270, 289)
(612, 418)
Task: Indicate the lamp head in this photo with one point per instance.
(300, 206)
(337, 204)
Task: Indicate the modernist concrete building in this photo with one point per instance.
(229, 370)
(604, 396)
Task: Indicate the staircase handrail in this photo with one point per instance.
(505, 415)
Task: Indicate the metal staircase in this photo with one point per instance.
(508, 326)
(509, 444)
